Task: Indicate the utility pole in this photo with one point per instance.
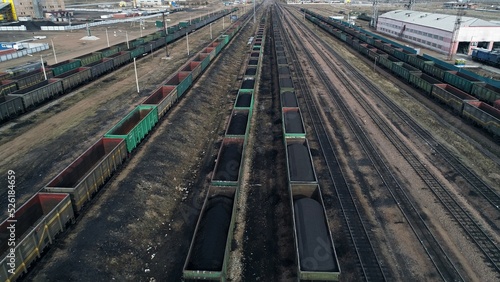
(454, 35)
(165, 29)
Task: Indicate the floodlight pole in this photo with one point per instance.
(126, 35)
(54, 50)
(187, 42)
(136, 79)
(107, 38)
(211, 31)
(166, 33)
(43, 68)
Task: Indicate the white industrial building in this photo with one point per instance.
(435, 31)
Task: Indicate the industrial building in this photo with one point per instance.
(436, 31)
(18, 9)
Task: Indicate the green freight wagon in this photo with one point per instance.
(208, 259)
(403, 70)
(423, 81)
(109, 51)
(417, 61)
(89, 58)
(435, 70)
(461, 81)
(135, 126)
(65, 66)
(136, 42)
(486, 92)
(183, 24)
(84, 176)
(39, 221)
(137, 52)
(182, 80)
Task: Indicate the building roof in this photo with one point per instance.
(439, 21)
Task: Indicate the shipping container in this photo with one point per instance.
(37, 94)
(164, 97)
(299, 161)
(65, 66)
(451, 96)
(182, 80)
(10, 107)
(461, 81)
(135, 126)
(312, 235)
(486, 92)
(293, 124)
(38, 222)
(228, 165)
(83, 177)
(212, 240)
(423, 81)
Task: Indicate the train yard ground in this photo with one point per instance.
(139, 226)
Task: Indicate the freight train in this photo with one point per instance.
(486, 56)
(310, 224)
(49, 212)
(208, 255)
(474, 98)
(22, 92)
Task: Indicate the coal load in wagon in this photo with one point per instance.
(315, 246)
(293, 122)
(289, 99)
(238, 124)
(300, 165)
(208, 249)
(228, 165)
(244, 100)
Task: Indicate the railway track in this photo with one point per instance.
(473, 229)
(444, 266)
